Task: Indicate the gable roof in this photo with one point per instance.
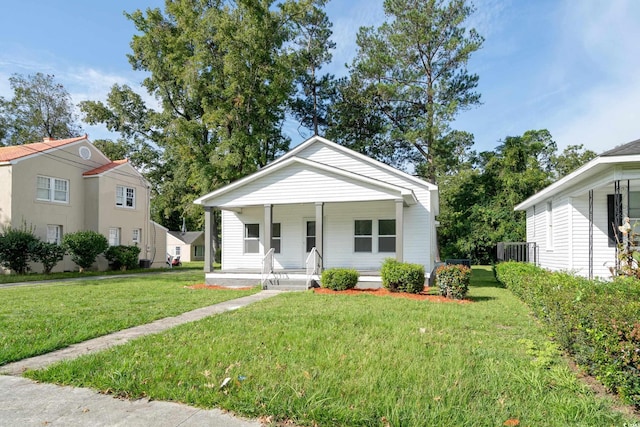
(627, 149)
(14, 152)
(406, 193)
(104, 168)
(625, 154)
(188, 237)
(318, 139)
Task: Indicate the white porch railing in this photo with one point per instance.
(313, 266)
(267, 268)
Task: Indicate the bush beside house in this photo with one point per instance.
(597, 322)
(402, 276)
(84, 247)
(123, 257)
(453, 280)
(339, 279)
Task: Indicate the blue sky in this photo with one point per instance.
(569, 66)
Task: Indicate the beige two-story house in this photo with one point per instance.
(63, 186)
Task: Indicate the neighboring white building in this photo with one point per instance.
(64, 186)
(188, 245)
(355, 212)
(575, 220)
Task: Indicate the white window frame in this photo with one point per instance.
(362, 237)
(249, 240)
(136, 236)
(54, 233)
(114, 236)
(276, 239)
(549, 215)
(177, 251)
(387, 236)
(53, 189)
(125, 197)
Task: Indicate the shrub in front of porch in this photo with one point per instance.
(453, 280)
(402, 276)
(339, 279)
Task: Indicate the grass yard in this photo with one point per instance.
(361, 360)
(36, 319)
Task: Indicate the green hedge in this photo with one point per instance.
(453, 280)
(123, 257)
(339, 279)
(402, 276)
(597, 322)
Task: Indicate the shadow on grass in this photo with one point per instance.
(482, 277)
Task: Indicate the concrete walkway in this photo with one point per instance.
(26, 403)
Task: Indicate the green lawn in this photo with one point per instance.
(36, 319)
(36, 277)
(357, 360)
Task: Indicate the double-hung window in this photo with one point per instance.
(386, 235)
(54, 234)
(251, 238)
(125, 197)
(52, 189)
(114, 236)
(363, 240)
(135, 236)
(275, 237)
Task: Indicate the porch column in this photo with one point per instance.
(320, 232)
(399, 229)
(208, 239)
(268, 227)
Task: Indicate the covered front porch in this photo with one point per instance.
(292, 243)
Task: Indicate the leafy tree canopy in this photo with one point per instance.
(40, 107)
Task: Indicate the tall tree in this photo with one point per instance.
(417, 65)
(315, 90)
(40, 107)
(223, 73)
(571, 158)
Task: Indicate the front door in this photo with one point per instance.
(309, 237)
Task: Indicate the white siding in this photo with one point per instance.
(571, 235)
(296, 183)
(322, 153)
(339, 221)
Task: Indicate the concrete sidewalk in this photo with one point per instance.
(25, 402)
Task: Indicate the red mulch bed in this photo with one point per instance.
(204, 286)
(424, 295)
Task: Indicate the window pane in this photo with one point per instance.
(363, 244)
(252, 231)
(275, 229)
(386, 244)
(275, 244)
(311, 229)
(131, 196)
(634, 204)
(363, 227)
(119, 196)
(43, 188)
(387, 227)
(311, 243)
(60, 193)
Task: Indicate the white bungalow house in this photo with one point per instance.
(320, 205)
(574, 221)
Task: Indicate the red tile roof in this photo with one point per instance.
(104, 168)
(14, 152)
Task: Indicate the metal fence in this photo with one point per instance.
(518, 251)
